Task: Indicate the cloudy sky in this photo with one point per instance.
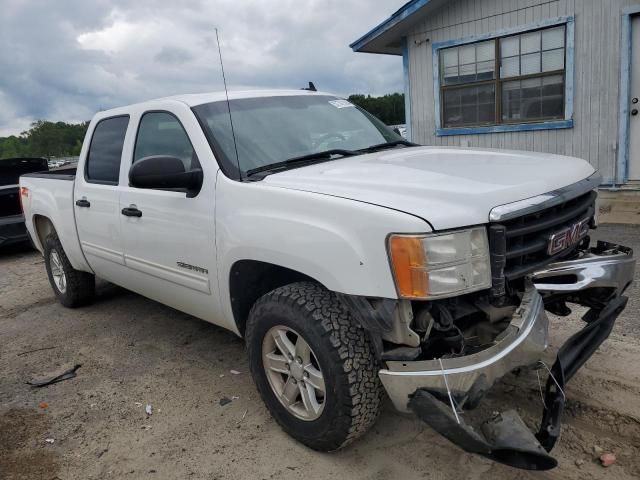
(66, 59)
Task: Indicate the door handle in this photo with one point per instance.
(83, 202)
(131, 212)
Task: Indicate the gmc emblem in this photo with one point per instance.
(567, 237)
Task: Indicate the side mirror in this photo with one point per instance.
(165, 173)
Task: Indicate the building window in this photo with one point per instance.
(508, 80)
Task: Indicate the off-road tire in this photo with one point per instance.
(80, 289)
(344, 352)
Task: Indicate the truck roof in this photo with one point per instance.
(193, 99)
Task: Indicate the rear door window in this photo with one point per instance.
(105, 151)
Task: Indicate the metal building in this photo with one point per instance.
(557, 76)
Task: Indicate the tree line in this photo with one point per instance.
(60, 139)
(388, 108)
(45, 139)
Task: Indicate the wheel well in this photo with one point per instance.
(250, 279)
(43, 227)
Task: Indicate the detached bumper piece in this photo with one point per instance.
(596, 279)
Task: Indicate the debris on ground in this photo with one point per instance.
(234, 372)
(148, 409)
(146, 427)
(58, 376)
(579, 462)
(43, 405)
(607, 459)
(598, 450)
(224, 401)
(36, 350)
(49, 440)
(243, 415)
(138, 404)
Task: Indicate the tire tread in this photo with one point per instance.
(361, 388)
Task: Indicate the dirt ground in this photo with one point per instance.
(135, 352)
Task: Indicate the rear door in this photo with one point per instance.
(97, 200)
(170, 248)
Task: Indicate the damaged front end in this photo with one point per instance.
(462, 346)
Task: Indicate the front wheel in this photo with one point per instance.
(72, 287)
(313, 365)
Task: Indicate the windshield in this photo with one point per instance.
(269, 130)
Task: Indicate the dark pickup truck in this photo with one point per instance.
(12, 228)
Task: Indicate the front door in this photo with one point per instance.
(170, 247)
(97, 200)
(634, 108)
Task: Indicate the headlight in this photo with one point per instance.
(440, 265)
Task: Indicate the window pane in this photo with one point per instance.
(530, 64)
(485, 70)
(160, 133)
(553, 96)
(553, 60)
(450, 57)
(531, 91)
(510, 47)
(485, 51)
(533, 99)
(468, 73)
(530, 42)
(467, 54)
(105, 151)
(473, 105)
(510, 67)
(451, 107)
(451, 75)
(553, 38)
(511, 101)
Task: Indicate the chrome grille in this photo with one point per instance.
(519, 245)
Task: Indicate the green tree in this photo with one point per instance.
(388, 108)
(45, 139)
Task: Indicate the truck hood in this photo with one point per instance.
(447, 187)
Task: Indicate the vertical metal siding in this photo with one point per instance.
(594, 136)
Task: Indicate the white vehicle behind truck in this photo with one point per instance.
(352, 261)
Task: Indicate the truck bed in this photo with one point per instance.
(50, 195)
(64, 173)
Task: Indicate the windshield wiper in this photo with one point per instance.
(383, 146)
(311, 158)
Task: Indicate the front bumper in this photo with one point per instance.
(469, 377)
(596, 279)
(12, 230)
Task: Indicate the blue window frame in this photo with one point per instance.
(512, 80)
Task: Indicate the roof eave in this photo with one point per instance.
(386, 38)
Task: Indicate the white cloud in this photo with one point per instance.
(66, 60)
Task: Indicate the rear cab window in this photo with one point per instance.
(105, 151)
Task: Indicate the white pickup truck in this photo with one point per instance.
(352, 261)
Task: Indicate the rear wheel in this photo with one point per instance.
(313, 365)
(72, 287)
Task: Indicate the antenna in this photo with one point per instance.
(226, 92)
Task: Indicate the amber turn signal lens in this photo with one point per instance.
(408, 261)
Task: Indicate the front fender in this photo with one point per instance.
(338, 242)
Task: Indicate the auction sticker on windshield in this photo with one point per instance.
(341, 103)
